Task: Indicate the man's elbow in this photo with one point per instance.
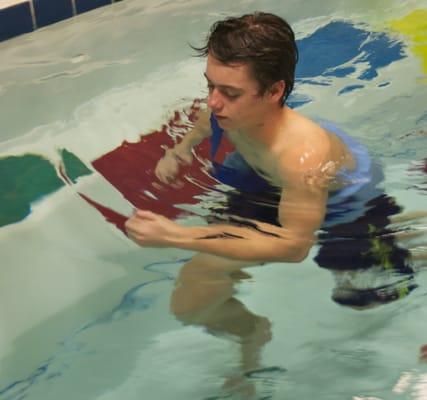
(297, 252)
(301, 255)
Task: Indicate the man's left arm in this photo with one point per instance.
(301, 213)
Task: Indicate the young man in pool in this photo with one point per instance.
(250, 73)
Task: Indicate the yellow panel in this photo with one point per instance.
(414, 25)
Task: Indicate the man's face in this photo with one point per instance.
(234, 95)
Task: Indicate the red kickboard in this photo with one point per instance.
(130, 169)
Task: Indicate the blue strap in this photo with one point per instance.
(216, 136)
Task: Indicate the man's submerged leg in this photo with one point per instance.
(203, 296)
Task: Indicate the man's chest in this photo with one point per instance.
(259, 158)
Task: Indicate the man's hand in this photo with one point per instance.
(152, 230)
(168, 167)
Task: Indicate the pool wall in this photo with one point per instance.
(23, 16)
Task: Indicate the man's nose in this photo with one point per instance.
(214, 100)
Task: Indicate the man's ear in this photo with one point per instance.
(276, 91)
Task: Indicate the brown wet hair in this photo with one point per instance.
(264, 40)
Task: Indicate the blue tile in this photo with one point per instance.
(325, 51)
(15, 20)
(87, 5)
(51, 11)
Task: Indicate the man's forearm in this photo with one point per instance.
(249, 244)
(192, 138)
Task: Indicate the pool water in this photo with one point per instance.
(86, 313)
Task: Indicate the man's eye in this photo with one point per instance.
(232, 95)
(210, 87)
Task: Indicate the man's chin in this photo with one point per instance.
(223, 122)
